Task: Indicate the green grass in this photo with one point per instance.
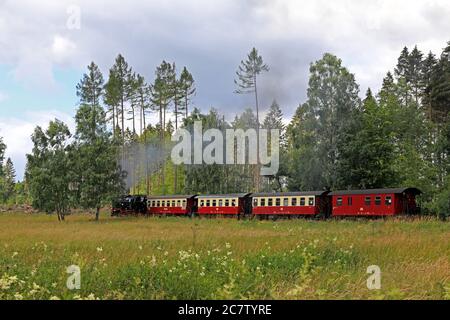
(180, 258)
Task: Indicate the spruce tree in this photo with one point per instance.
(8, 180)
(187, 86)
(247, 82)
(91, 86)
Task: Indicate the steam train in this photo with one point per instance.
(323, 204)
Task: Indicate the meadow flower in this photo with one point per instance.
(54, 298)
(153, 261)
(18, 296)
(14, 254)
(99, 249)
(7, 281)
(91, 297)
(140, 247)
(228, 245)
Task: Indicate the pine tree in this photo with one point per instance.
(119, 88)
(2, 155)
(112, 101)
(428, 67)
(274, 120)
(187, 86)
(402, 75)
(162, 91)
(9, 180)
(246, 82)
(367, 152)
(415, 73)
(90, 88)
(440, 87)
(161, 97)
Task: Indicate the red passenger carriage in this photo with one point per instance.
(375, 202)
(308, 203)
(224, 204)
(172, 205)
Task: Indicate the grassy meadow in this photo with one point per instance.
(181, 258)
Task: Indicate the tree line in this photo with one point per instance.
(398, 136)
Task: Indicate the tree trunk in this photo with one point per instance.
(186, 104)
(97, 213)
(134, 123)
(123, 121)
(175, 179)
(114, 120)
(257, 173)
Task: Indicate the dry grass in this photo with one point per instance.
(127, 258)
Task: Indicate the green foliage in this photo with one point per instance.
(49, 169)
(248, 71)
(99, 178)
(187, 87)
(90, 88)
(7, 181)
(367, 152)
(321, 125)
(2, 155)
(119, 91)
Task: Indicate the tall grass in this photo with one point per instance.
(178, 258)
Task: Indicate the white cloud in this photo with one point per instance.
(211, 37)
(17, 134)
(62, 48)
(364, 33)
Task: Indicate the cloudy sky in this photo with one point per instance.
(43, 53)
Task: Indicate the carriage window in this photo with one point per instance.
(285, 202)
(302, 201)
(174, 203)
(263, 202)
(367, 201)
(311, 201)
(157, 203)
(207, 203)
(255, 202)
(378, 201)
(184, 203)
(388, 200)
(294, 201)
(270, 202)
(220, 203)
(202, 203)
(227, 203)
(339, 201)
(163, 203)
(349, 201)
(214, 202)
(178, 203)
(277, 202)
(233, 203)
